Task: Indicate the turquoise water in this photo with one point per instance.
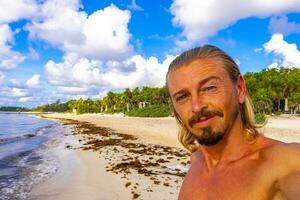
(24, 153)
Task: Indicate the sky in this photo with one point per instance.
(70, 49)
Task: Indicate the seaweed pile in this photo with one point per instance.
(162, 165)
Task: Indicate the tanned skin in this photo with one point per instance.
(234, 168)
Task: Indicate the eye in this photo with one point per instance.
(210, 88)
(181, 97)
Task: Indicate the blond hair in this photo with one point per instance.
(186, 138)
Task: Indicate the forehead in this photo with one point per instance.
(192, 73)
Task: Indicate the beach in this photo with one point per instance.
(119, 157)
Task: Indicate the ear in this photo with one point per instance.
(241, 89)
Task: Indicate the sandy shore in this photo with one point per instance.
(129, 158)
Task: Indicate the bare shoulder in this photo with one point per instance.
(279, 158)
(289, 155)
(282, 163)
(288, 170)
(278, 152)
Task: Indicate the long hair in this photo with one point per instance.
(186, 138)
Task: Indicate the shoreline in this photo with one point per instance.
(162, 131)
(116, 157)
(113, 165)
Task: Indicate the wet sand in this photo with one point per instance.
(116, 157)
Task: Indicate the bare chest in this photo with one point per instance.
(249, 181)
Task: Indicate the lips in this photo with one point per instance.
(203, 119)
(204, 116)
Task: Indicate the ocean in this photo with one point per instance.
(25, 156)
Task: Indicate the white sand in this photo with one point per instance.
(82, 174)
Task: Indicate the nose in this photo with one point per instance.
(197, 104)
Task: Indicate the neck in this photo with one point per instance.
(231, 148)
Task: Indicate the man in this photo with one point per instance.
(229, 159)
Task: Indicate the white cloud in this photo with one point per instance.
(15, 91)
(148, 72)
(33, 54)
(6, 35)
(74, 71)
(8, 58)
(80, 75)
(34, 81)
(282, 25)
(103, 35)
(201, 19)
(286, 53)
(15, 83)
(273, 65)
(17, 9)
(25, 99)
(18, 92)
(2, 76)
(72, 90)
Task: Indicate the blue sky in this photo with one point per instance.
(53, 49)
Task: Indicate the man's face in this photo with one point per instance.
(204, 99)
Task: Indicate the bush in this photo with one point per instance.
(260, 118)
(151, 111)
(277, 113)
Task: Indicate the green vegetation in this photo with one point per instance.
(132, 102)
(53, 107)
(151, 111)
(13, 109)
(272, 91)
(260, 118)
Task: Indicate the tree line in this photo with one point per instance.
(13, 109)
(274, 90)
(271, 90)
(126, 102)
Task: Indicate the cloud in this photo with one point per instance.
(6, 35)
(282, 25)
(74, 71)
(18, 92)
(34, 81)
(2, 76)
(33, 54)
(72, 90)
(202, 19)
(15, 91)
(287, 54)
(134, 6)
(2, 79)
(25, 99)
(103, 35)
(14, 83)
(148, 71)
(8, 59)
(11, 11)
(84, 76)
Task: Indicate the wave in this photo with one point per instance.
(13, 138)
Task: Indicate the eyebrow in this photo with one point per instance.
(200, 83)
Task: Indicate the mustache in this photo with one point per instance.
(204, 113)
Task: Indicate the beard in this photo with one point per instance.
(212, 135)
(210, 138)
